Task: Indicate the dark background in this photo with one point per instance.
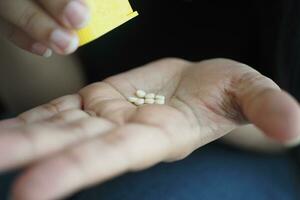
(194, 30)
(264, 34)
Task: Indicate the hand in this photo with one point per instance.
(87, 138)
(40, 25)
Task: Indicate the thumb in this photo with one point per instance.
(272, 110)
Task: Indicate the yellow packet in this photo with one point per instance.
(106, 15)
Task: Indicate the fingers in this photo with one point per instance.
(132, 147)
(10, 123)
(24, 145)
(273, 111)
(31, 19)
(23, 41)
(73, 14)
(52, 108)
(103, 100)
(43, 112)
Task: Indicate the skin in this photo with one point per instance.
(90, 137)
(31, 24)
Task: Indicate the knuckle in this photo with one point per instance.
(28, 18)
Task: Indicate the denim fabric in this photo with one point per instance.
(213, 172)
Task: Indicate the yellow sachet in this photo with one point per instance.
(105, 16)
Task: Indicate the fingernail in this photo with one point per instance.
(77, 14)
(63, 42)
(41, 50)
(293, 143)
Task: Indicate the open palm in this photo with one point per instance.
(87, 138)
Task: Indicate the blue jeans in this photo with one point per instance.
(213, 172)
